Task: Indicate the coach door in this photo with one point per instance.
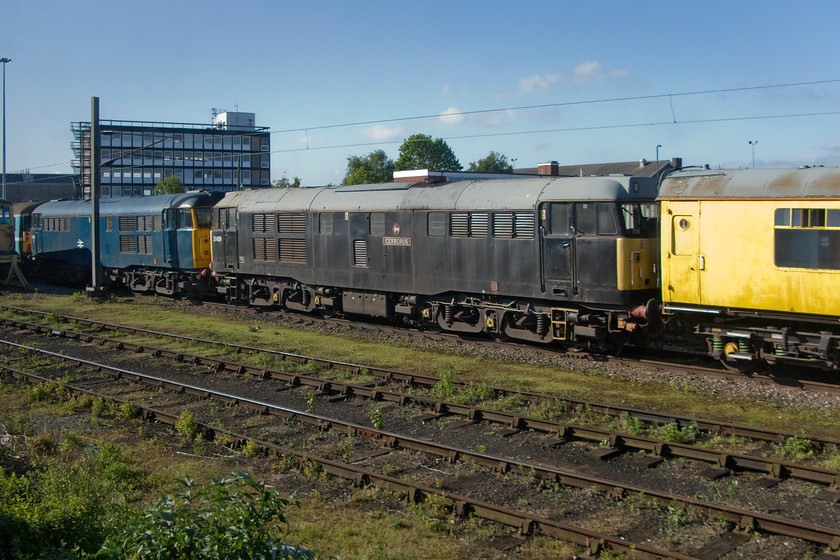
(682, 253)
(558, 250)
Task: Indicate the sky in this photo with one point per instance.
(536, 81)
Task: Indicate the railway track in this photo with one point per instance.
(384, 377)
(387, 442)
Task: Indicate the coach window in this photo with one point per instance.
(807, 238)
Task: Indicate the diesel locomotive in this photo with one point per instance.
(155, 244)
(569, 259)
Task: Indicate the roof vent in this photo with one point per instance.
(642, 162)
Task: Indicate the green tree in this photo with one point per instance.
(493, 163)
(376, 167)
(284, 183)
(169, 185)
(420, 151)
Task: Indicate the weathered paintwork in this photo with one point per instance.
(718, 240)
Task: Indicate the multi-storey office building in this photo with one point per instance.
(230, 154)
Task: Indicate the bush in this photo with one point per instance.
(231, 519)
(62, 506)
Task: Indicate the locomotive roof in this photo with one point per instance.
(490, 194)
(125, 205)
(806, 182)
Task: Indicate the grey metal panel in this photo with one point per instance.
(809, 182)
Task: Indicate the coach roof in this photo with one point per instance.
(806, 182)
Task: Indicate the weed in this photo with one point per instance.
(674, 433)
(798, 447)
(128, 411)
(97, 407)
(376, 418)
(310, 402)
(187, 424)
(251, 448)
(444, 388)
(676, 515)
(480, 448)
(632, 425)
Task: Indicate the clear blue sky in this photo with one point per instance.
(306, 65)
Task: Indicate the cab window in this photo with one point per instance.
(585, 218)
(203, 217)
(185, 218)
(560, 218)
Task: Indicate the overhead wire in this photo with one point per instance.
(669, 96)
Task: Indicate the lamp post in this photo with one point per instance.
(657, 158)
(5, 61)
(753, 143)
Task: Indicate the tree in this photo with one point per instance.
(284, 183)
(376, 167)
(493, 163)
(169, 185)
(421, 152)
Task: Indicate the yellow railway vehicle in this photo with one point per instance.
(752, 256)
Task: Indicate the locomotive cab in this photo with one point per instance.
(603, 249)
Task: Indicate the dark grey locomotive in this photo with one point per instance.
(538, 259)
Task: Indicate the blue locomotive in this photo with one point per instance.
(157, 244)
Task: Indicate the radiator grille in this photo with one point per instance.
(265, 249)
(293, 250)
(289, 222)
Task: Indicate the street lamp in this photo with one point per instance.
(753, 143)
(5, 61)
(657, 156)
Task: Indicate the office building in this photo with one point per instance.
(227, 155)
